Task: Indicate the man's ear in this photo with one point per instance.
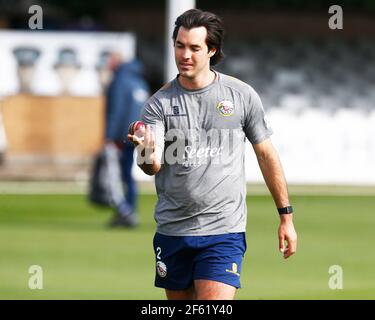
(212, 52)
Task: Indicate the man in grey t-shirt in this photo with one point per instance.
(194, 144)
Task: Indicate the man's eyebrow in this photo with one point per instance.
(192, 45)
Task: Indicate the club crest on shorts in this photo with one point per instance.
(234, 269)
(161, 269)
(225, 108)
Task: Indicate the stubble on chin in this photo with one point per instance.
(185, 75)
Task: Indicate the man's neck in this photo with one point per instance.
(198, 82)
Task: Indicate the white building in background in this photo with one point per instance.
(86, 50)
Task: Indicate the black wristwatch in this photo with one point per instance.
(285, 210)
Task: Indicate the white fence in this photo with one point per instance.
(318, 147)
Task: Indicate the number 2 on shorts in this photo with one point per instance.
(158, 250)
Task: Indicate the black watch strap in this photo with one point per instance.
(285, 210)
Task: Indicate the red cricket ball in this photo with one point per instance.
(137, 128)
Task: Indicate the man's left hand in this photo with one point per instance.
(288, 235)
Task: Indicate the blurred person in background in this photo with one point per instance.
(125, 96)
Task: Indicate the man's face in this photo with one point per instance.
(115, 59)
(191, 52)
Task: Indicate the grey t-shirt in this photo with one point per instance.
(201, 185)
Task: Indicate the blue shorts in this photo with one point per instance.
(181, 260)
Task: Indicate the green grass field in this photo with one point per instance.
(83, 259)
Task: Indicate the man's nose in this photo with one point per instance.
(186, 54)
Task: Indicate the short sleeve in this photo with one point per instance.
(256, 126)
(152, 114)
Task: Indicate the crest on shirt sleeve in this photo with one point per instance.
(225, 108)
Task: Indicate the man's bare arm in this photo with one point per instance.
(273, 174)
(272, 171)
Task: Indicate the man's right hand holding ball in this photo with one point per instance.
(144, 139)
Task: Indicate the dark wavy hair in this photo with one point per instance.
(194, 18)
